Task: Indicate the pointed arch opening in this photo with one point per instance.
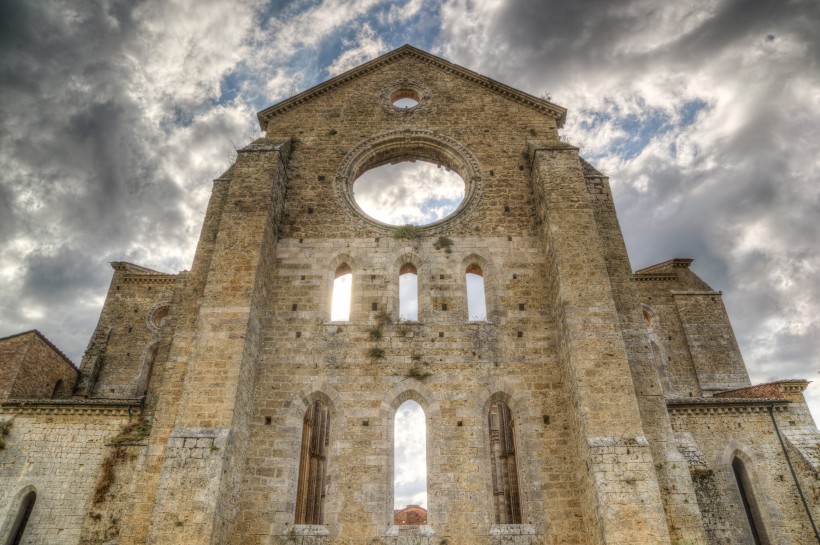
(476, 298)
(750, 505)
(342, 292)
(310, 493)
(506, 498)
(21, 518)
(147, 369)
(408, 293)
(410, 465)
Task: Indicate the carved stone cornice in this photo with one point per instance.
(150, 279)
(124, 407)
(709, 406)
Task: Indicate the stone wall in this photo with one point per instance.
(56, 449)
(712, 434)
(33, 368)
(121, 353)
(581, 354)
(694, 345)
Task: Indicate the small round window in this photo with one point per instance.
(159, 317)
(405, 98)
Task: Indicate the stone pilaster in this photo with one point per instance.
(679, 499)
(198, 488)
(621, 501)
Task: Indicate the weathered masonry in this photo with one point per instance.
(578, 403)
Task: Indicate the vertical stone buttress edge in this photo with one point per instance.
(618, 480)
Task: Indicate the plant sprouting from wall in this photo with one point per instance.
(5, 428)
(132, 433)
(407, 232)
(444, 243)
(419, 373)
(375, 353)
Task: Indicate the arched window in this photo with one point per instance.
(410, 463)
(504, 468)
(159, 316)
(342, 290)
(750, 506)
(408, 293)
(18, 528)
(147, 370)
(310, 494)
(476, 304)
(58, 386)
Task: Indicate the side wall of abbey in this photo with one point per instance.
(632, 411)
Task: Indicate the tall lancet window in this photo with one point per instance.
(408, 293)
(744, 486)
(18, 526)
(504, 468)
(410, 461)
(342, 290)
(310, 494)
(476, 305)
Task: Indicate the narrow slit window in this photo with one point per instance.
(150, 358)
(504, 468)
(750, 506)
(408, 293)
(476, 302)
(310, 493)
(18, 527)
(342, 290)
(410, 465)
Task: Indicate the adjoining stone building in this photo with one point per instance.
(592, 406)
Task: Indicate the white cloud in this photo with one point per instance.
(410, 456)
(415, 193)
(731, 186)
(367, 46)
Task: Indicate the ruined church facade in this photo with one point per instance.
(222, 405)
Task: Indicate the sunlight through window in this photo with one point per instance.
(408, 293)
(342, 289)
(476, 304)
(410, 456)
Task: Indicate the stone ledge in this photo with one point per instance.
(410, 529)
(512, 530)
(639, 441)
(126, 407)
(309, 530)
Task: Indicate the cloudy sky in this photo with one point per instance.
(116, 115)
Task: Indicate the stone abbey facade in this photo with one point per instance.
(221, 405)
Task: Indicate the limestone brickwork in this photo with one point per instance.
(55, 448)
(615, 382)
(33, 368)
(122, 351)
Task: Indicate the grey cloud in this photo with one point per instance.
(84, 174)
(743, 203)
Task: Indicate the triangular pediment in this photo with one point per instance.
(547, 108)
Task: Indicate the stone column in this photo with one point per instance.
(198, 489)
(621, 501)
